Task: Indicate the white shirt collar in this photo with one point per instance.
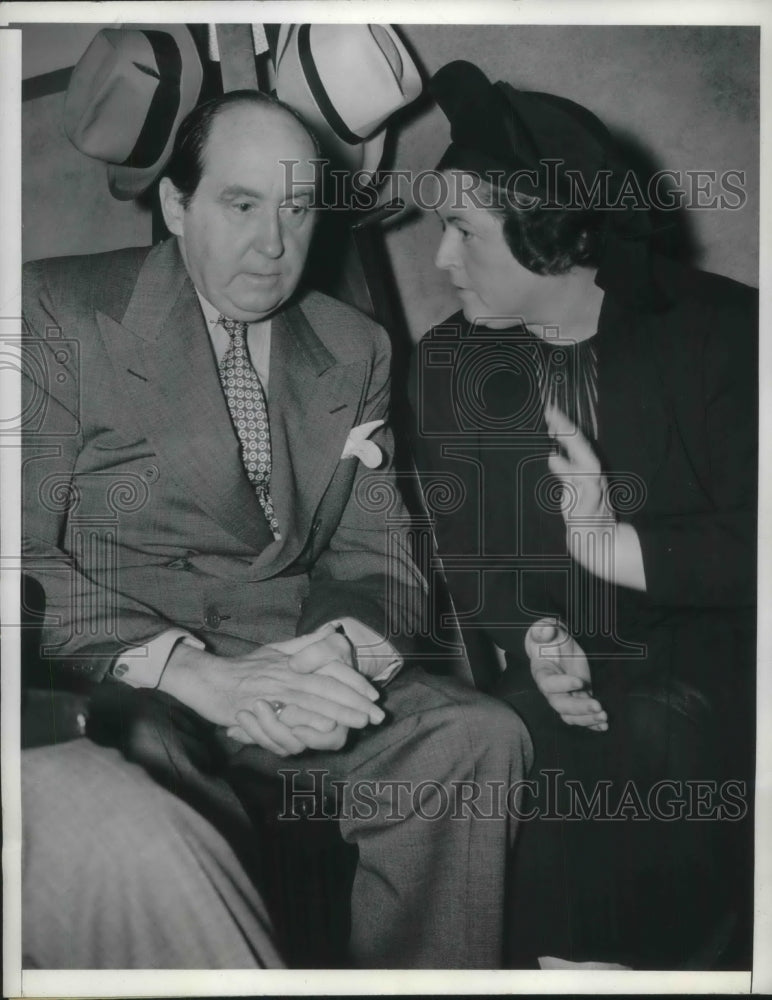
(258, 340)
(212, 315)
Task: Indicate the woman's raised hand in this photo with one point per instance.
(595, 538)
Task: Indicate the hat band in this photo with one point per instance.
(473, 161)
(518, 177)
(159, 120)
(318, 92)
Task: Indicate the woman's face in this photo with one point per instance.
(495, 290)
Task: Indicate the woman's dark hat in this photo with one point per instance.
(548, 147)
(495, 127)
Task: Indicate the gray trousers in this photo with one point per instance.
(422, 797)
(119, 873)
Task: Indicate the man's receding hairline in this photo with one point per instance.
(189, 160)
(260, 107)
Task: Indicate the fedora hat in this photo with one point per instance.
(127, 95)
(346, 80)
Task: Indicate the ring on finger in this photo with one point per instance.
(278, 707)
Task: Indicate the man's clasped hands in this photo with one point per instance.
(290, 696)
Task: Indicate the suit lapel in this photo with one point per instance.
(313, 402)
(163, 354)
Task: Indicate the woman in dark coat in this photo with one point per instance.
(589, 421)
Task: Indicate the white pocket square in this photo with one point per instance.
(357, 445)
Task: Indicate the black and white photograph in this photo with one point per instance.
(381, 555)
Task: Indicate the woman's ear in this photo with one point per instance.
(171, 206)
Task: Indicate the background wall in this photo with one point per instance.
(685, 97)
(67, 207)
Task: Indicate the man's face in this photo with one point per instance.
(493, 286)
(245, 234)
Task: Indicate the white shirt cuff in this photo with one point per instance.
(377, 659)
(143, 666)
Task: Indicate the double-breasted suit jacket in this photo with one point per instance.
(138, 515)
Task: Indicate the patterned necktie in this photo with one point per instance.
(249, 412)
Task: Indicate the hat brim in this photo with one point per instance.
(372, 152)
(126, 183)
(293, 87)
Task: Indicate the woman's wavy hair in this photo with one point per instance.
(550, 239)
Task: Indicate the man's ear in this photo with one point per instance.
(171, 206)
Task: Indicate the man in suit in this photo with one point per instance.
(239, 585)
